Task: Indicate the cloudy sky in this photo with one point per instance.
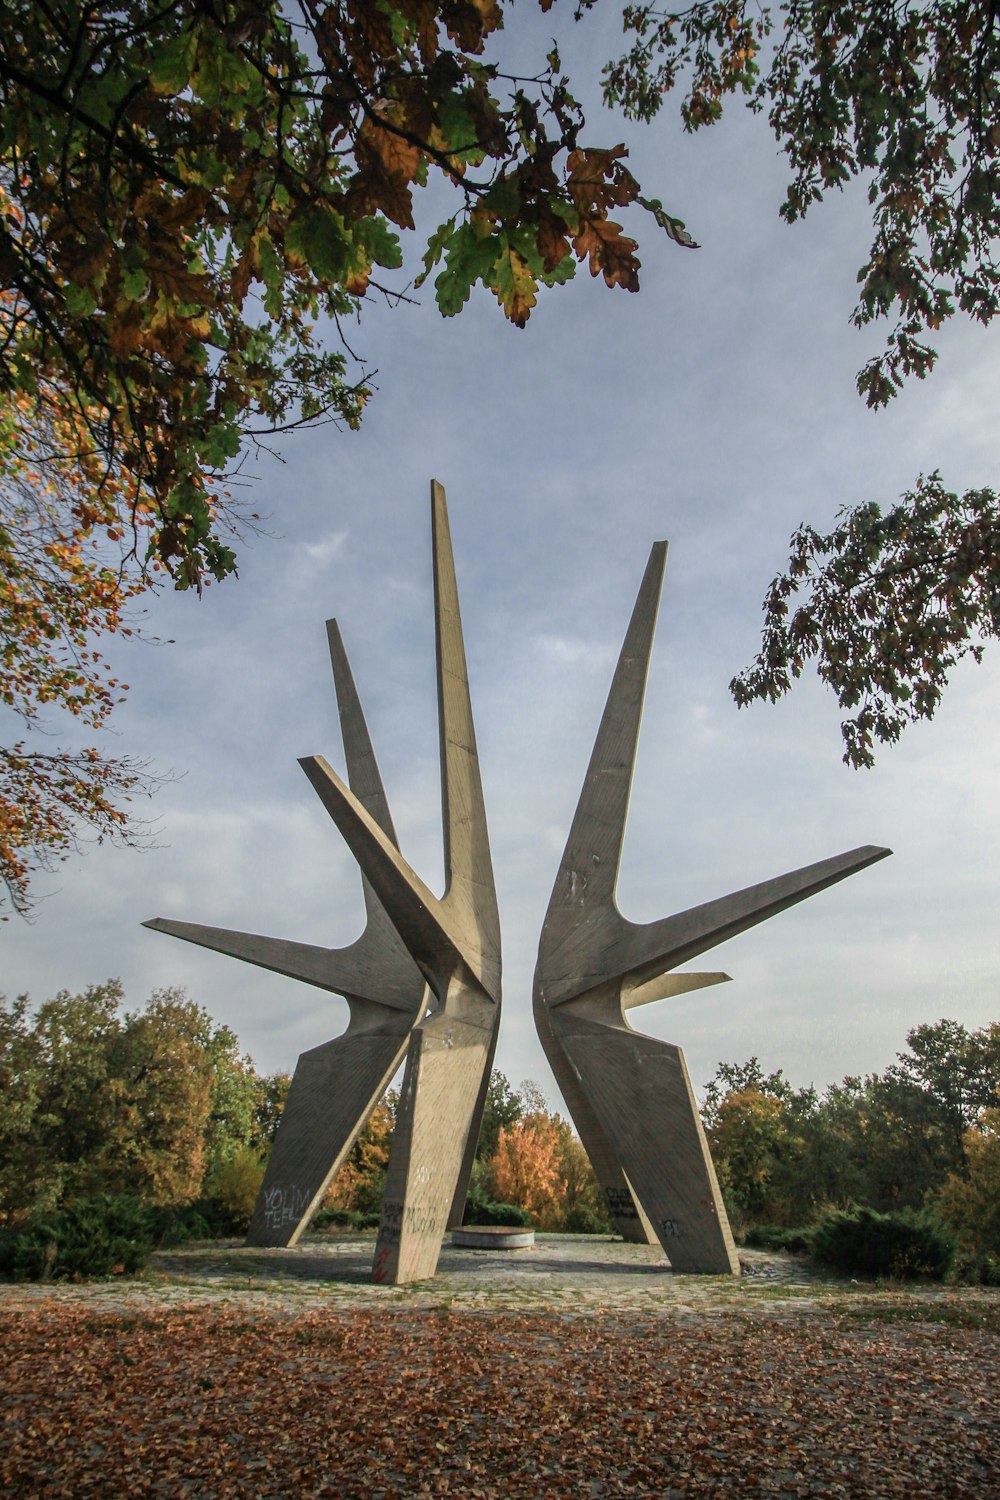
(716, 408)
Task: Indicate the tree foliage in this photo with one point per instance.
(970, 1199)
(892, 601)
(890, 1141)
(97, 1099)
(905, 99)
(191, 190)
(193, 200)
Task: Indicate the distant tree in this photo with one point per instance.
(359, 1186)
(504, 1107)
(958, 1071)
(525, 1167)
(970, 1200)
(746, 1139)
(580, 1205)
(272, 1093)
(22, 1073)
(161, 1079)
(104, 1100)
(889, 1141)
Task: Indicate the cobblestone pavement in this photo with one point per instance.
(582, 1274)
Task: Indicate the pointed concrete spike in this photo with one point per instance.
(470, 890)
(666, 986)
(421, 920)
(362, 768)
(678, 939)
(589, 870)
(363, 774)
(388, 979)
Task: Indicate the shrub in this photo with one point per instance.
(345, 1218)
(582, 1219)
(777, 1237)
(905, 1246)
(975, 1270)
(103, 1235)
(177, 1226)
(230, 1192)
(479, 1209)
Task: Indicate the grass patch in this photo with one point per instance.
(978, 1314)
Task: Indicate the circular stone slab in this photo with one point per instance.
(492, 1237)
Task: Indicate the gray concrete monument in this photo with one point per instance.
(423, 979)
(630, 1095)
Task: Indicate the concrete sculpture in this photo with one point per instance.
(423, 979)
(630, 1095)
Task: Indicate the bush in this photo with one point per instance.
(777, 1237)
(345, 1218)
(177, 1226)
(582, 1219)
(230, 1192)
(103, 1235)
(904, 1246)
(479, 1209)
(971, 1269)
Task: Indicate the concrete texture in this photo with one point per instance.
(455, 942)
(337, 1085)
(423, 980)
(630, 1095)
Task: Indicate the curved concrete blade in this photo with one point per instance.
(666, 986)
(470, 890)
(431, 934)
(613, 947)
(630, 1095)
(391, 979)
(336, 1085)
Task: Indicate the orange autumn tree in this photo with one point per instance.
(62, 587)
(525, 1168)
(358, 1186)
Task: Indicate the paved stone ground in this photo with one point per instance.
(578, 1274)
(228, 1373)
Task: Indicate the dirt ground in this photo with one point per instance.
(581, 1367)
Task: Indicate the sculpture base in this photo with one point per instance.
(492, 1237)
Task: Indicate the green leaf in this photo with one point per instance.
(173, 65)
(380, 243)
(469, 259)
(135, 284)
(319, 237)
(436, 246)
(80, 301)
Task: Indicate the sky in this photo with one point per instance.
(717, 409)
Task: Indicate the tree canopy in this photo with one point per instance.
(193, 200)
(914, 1135)
(196, 198)
(906, 99)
